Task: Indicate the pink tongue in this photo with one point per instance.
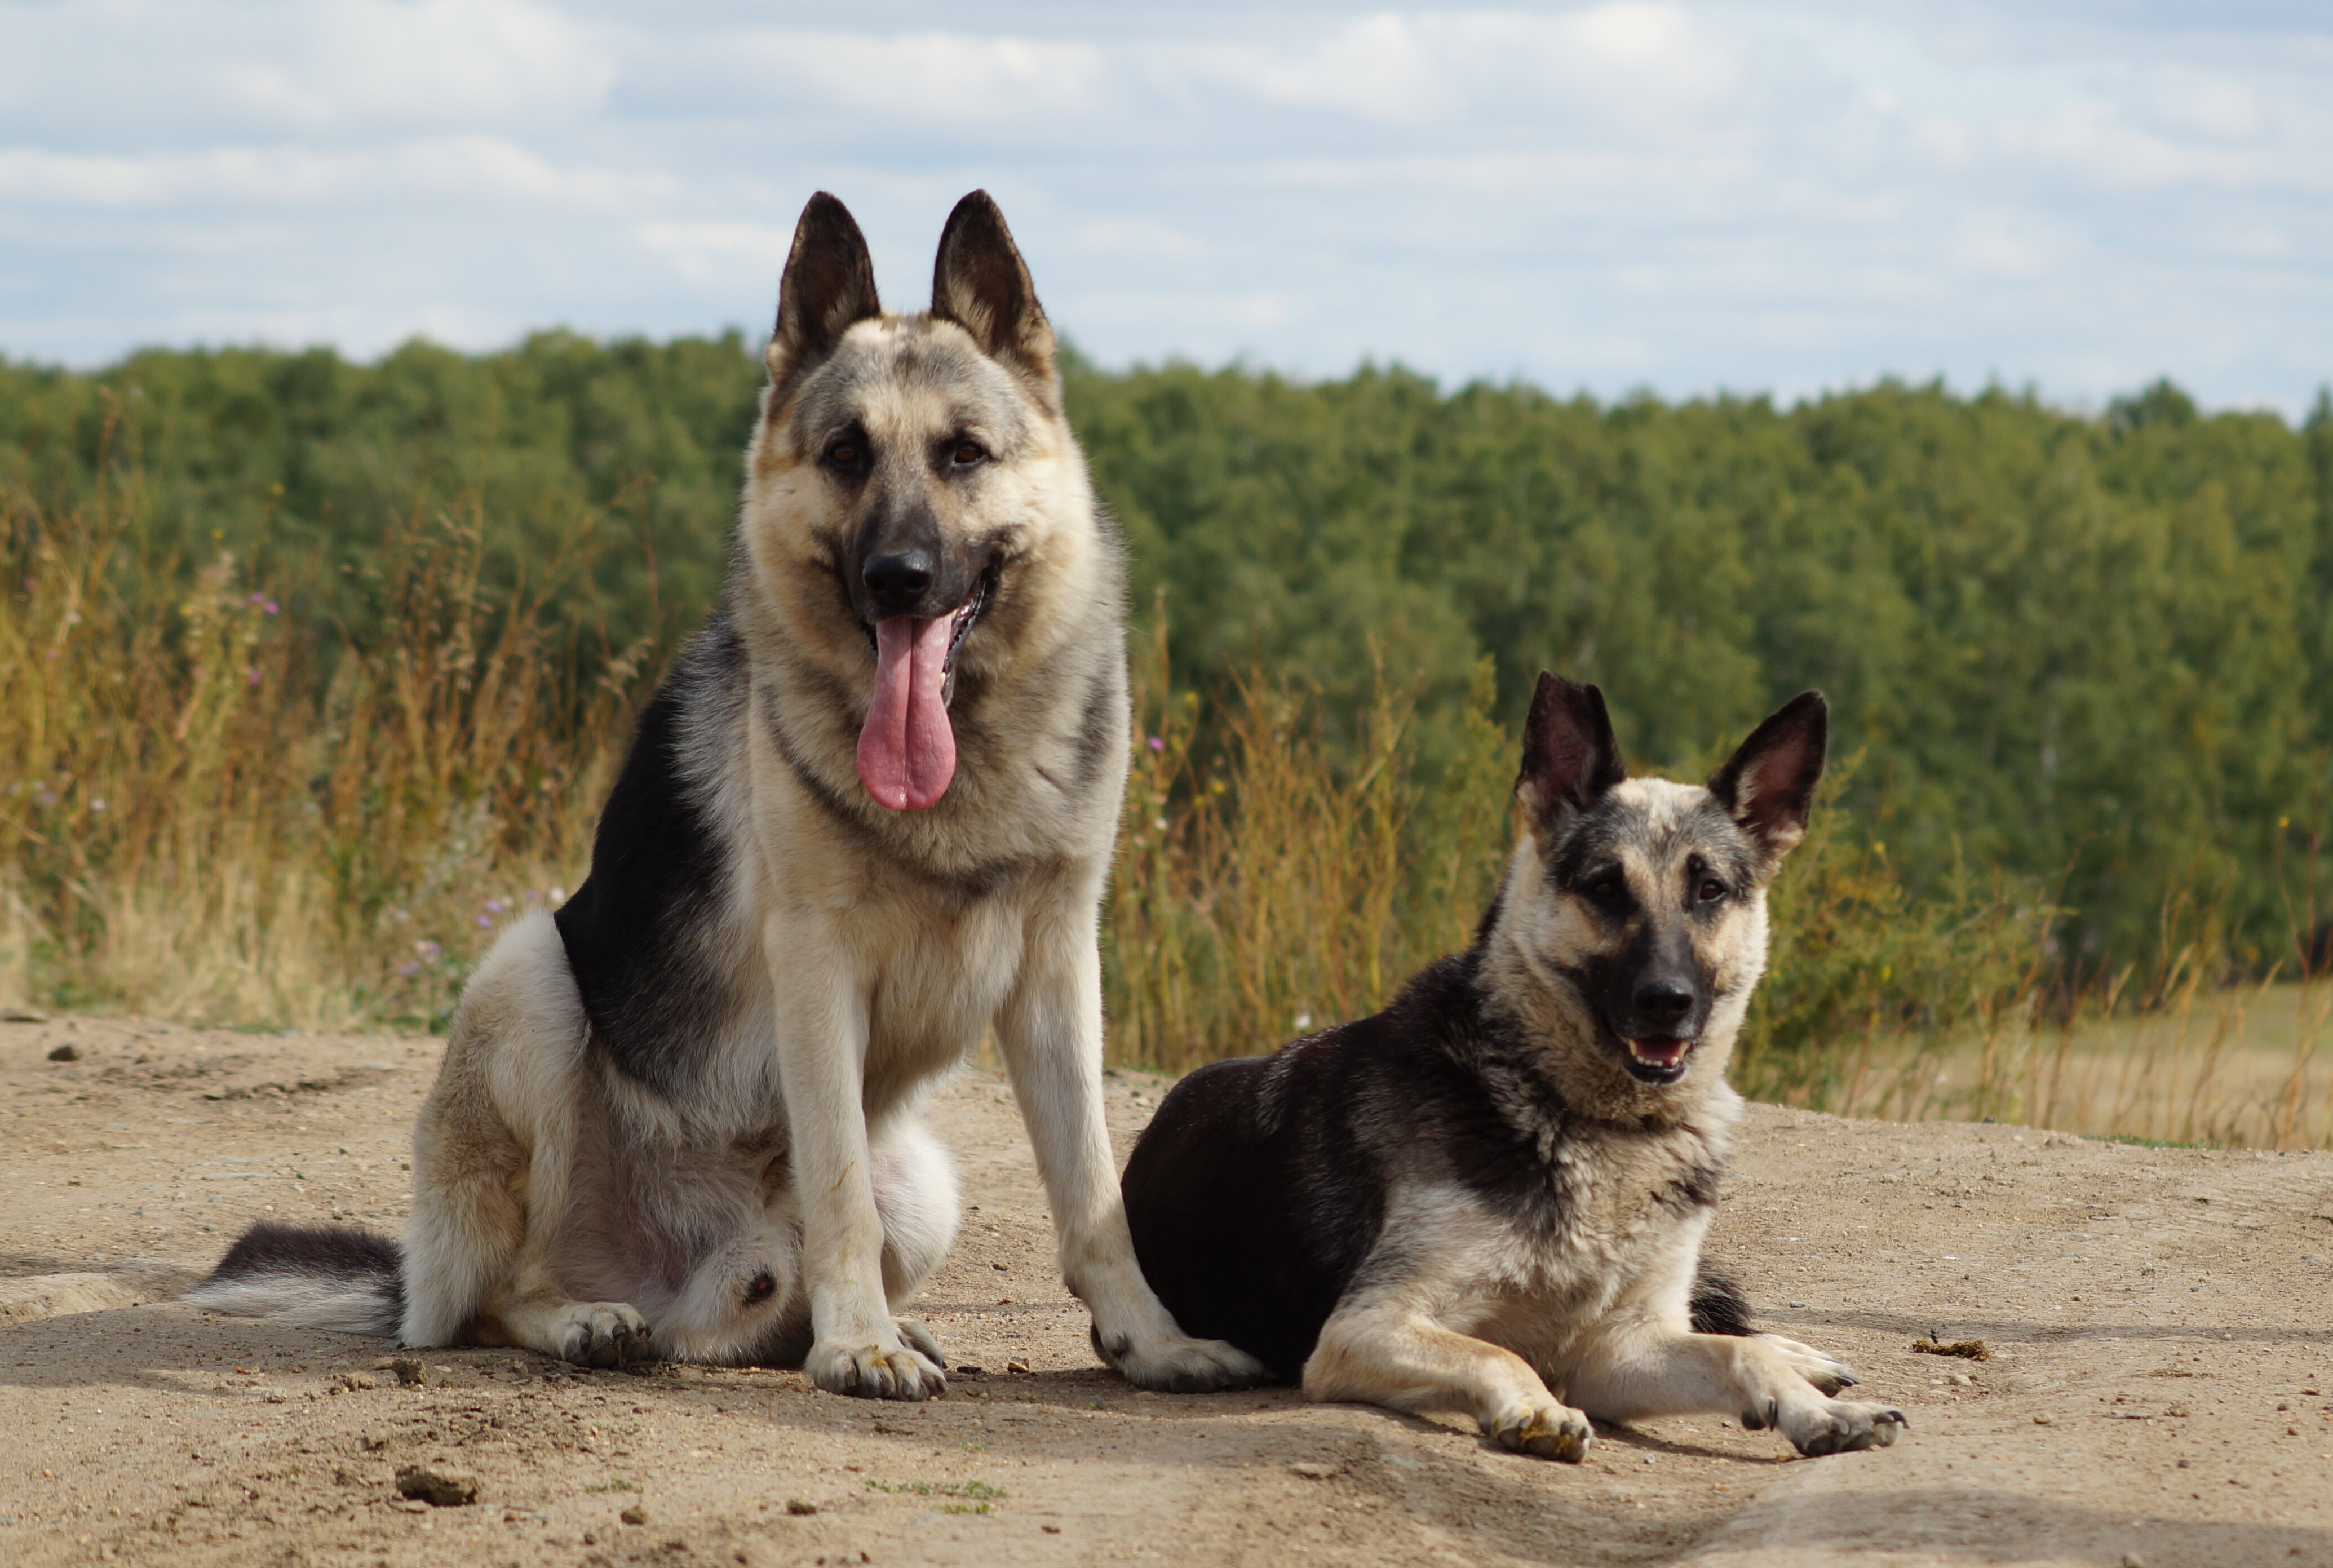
(907, 752)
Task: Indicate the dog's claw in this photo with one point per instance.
(1845, 1427)
(1826, 1372)
(919, 1340)
(1549, 1431)
(605, 1334)
(873, 1372)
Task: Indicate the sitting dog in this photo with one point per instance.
(1492, 1196)
(868, 815)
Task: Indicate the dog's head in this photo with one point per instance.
(1632, 928)
(911, 482)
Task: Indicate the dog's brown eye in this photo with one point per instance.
(968, 453)
(1712, 890)
(1604, 889)
(843, 455)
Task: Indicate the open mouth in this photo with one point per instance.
(1658, 1058)
(907, 750)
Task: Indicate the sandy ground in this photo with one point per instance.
(2156, 1392)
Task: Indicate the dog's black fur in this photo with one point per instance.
(1254, 1198)
(1494, 1195)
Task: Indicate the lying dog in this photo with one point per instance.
(1492, 1196)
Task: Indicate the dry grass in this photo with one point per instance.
(210, 813)
(1263, 887)
(2240, 1066)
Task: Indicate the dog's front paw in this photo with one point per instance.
(1543, 1429)
(1175, 1364)
(875, 1373)
(1833, 1426)
(603, 1333)
(1826, 1372)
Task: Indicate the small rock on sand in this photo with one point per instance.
(801, 1507)
(68, 1051)
(438, 1488)
(1314, 1471)
(409, 1370)
(635, 1515)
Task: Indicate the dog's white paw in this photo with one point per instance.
(1827, 1372)
(1175, 1364)
(919, 1340)
(1543, 1429)
(602, 1333)
(876, 1371)
(1823, 1426)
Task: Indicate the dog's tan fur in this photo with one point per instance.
(1531, 1337)
(1492, 1197)
(758, 1185)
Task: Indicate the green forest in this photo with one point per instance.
(2089, 652)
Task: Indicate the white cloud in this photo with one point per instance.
(107, 69)
(1687, 193)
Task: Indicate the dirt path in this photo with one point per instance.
(2158, 1389)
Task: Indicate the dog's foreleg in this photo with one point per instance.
(1385, 1350)
(822, 1007)
(1050, 1031)
(1641, 1369)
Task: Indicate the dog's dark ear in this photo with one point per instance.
(828, 287)
(1569, 757)
(980, 282)
(1768, 786)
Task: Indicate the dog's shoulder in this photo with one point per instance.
(640, 932)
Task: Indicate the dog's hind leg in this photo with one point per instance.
(916, 1194)
(1638, 1367)
(1380, 1350)
(1050, 1033)
(493, 1157)
(1717, 1306)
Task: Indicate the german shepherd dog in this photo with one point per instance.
(1490, 1197)
(867, 816)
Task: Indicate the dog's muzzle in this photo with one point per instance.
(907, 748)
(1658, 1058)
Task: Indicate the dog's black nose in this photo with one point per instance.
(1662, 1004)
(897, 582)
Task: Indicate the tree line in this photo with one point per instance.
(2090, 651)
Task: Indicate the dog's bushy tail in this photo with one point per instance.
(323, 1277)
(1718, 1306)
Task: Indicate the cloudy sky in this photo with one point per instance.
(2080, 194)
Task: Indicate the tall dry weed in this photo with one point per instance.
(1267, 885)
(210, 813)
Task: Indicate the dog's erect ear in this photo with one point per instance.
(980, 282)
(1569, 757)
(1768, 786)
(828, 287)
